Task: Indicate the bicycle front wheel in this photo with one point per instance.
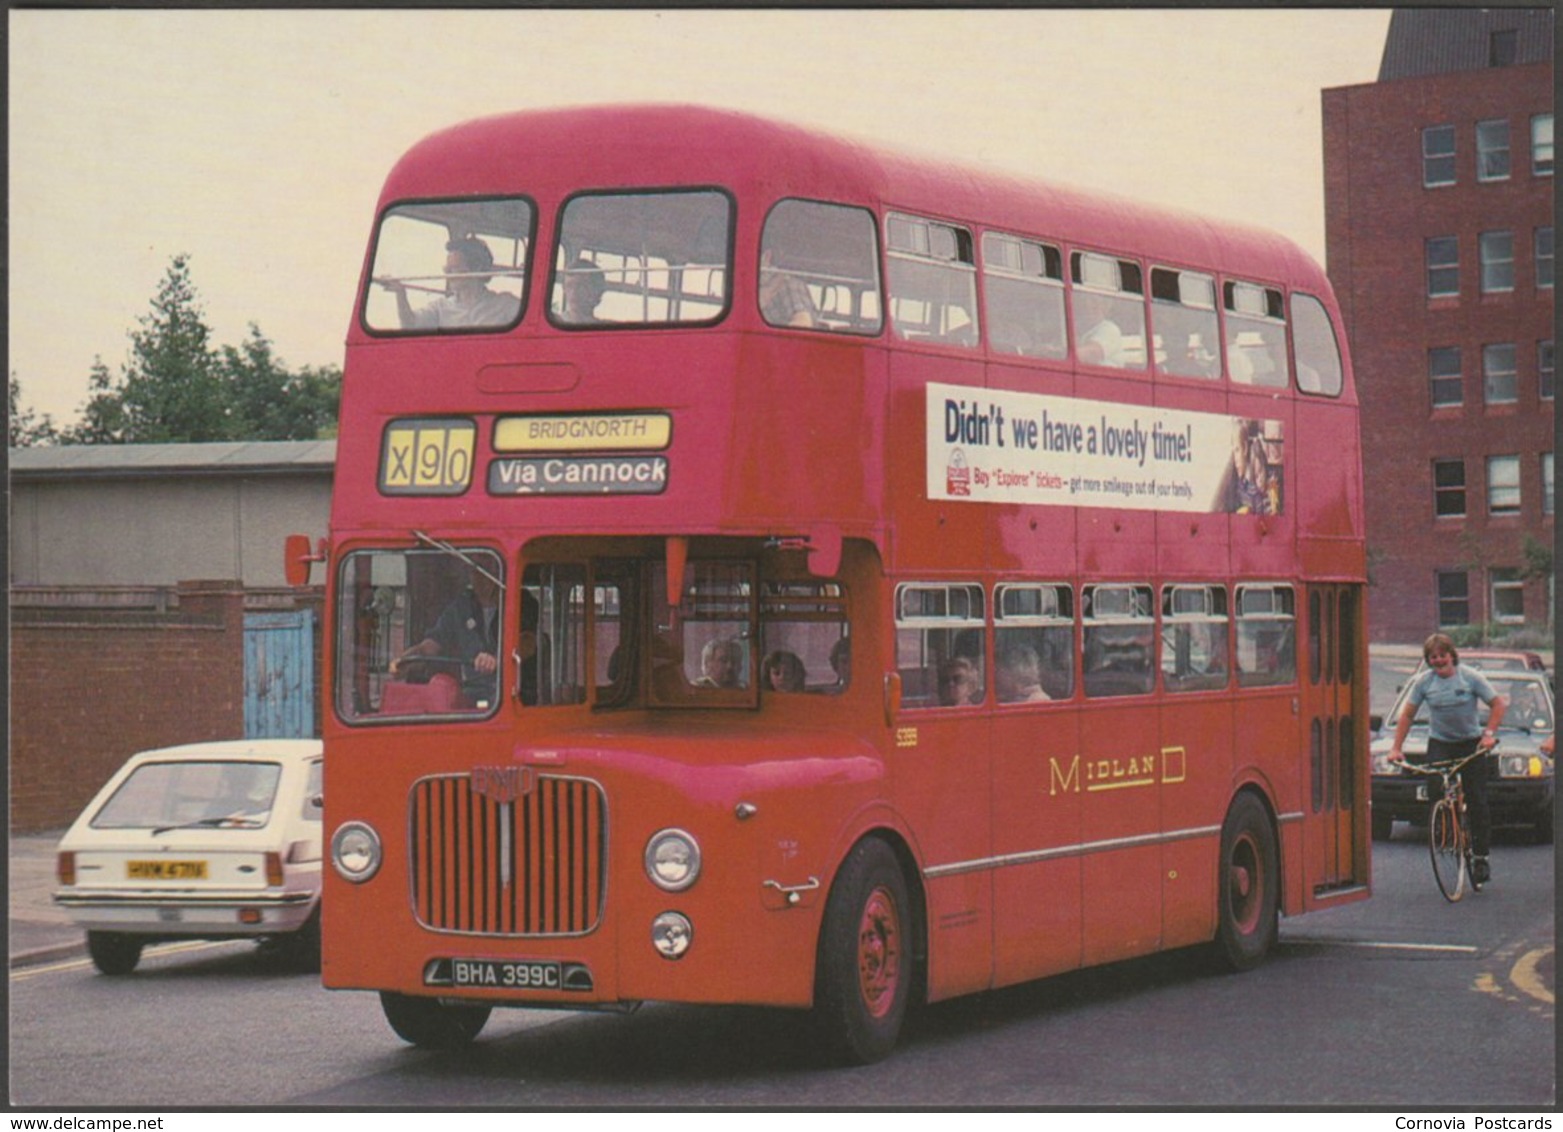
(1448, 848)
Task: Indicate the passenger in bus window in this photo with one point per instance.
(1019, 676)
(1101, 344)
(466, 633)
(467, 301)
(960, 683)
(784, 299)
(584, 286)
(783, 672)
(841, 660)
(721, 664)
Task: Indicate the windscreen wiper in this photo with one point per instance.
(446, 548)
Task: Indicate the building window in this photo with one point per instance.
(1503, 485)
(1454, 598)
(1544, 368)
(1443, 267)
(1546, 483)
(1496, 250)
(1503, 48)
(1500, 374)
(1443, 376)
(1438, 156)
(1541, 145)
(1449, 489)
(1492, 150)
(1508, 596)
(1544, 257)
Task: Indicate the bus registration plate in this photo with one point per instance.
(505, 975)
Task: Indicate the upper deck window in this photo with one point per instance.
(1256, 335)
(1319, 367)
(1183, 315)
(449, 266)
(642, 259)
(1109, 310)
(819, 268)
(1024, 281)
(933, 281)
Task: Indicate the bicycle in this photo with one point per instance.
(1448, 827)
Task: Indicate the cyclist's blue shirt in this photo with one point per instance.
(1451, 702)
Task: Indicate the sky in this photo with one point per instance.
(256, 142)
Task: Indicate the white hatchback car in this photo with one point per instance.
(206, 841)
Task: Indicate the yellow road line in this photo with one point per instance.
(1528, 979)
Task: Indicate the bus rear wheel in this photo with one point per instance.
(1248, 886)
(864, 973)
(430, 1024)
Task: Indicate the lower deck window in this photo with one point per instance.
(940, 642)
(1118, 640)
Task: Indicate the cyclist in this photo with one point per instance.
(1451, 691)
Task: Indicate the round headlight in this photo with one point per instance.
(355, 851)
(671, 935)
(672, 860)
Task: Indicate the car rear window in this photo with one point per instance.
(193, 794)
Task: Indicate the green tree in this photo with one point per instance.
(177, 387)
(103, 416)
(268, 402)
(24, 426)
(172, 390)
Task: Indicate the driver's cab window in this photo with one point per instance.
(420, 633)
(449, 266)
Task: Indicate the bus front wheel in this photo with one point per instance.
(1248, 886)
(429, 1024)
(864, 972)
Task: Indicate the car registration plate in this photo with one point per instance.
(165, 870)
(1421, 791)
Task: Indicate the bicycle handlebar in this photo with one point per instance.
(1445, 769)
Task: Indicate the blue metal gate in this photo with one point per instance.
(279, 675)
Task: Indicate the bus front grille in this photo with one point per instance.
(534, 864)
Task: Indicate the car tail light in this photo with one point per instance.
(249, 915)
(273, 870)
(65, 868)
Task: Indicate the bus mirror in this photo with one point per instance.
(825, 551)
(297, 556)
(678, 555)
(892, 697)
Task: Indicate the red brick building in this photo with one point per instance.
(1439, 229)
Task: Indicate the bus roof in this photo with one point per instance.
(546, 155)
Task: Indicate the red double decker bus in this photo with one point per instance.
(768, 570)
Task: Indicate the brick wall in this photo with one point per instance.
(91, 686)
(1378, 216)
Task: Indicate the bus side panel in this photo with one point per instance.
(1268, 734)
(1037, 810)
(1195, 771)
(942, 789)
(1119, 747)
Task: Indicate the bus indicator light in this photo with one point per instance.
(427, 457)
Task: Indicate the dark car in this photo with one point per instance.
(1520, 785)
